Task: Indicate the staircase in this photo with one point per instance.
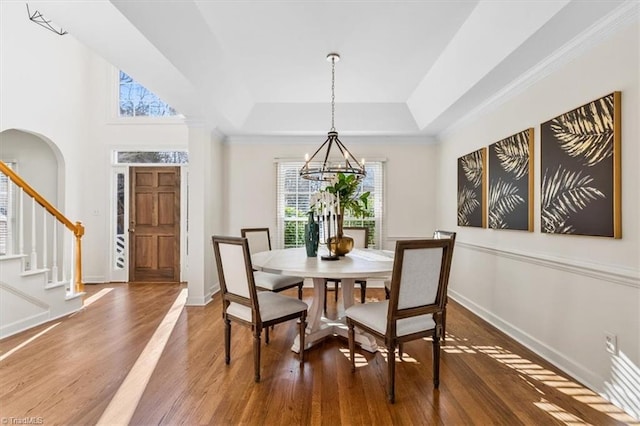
(31, 294)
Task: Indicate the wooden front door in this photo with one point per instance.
(154, 228)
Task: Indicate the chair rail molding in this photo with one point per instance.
(617, 275)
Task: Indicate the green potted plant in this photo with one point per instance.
(339, 196)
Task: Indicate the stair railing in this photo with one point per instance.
(77, 228)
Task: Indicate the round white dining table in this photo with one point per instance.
(358, 264)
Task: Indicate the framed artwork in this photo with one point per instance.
(511, 182)
(472, 189)
(580, 189)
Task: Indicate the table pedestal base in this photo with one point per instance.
(320, 327)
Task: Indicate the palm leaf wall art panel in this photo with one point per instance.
(511, 182)
(472, 189)
(580, 189)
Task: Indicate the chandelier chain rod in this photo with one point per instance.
(333, 93)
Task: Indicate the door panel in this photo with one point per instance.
(155, 229)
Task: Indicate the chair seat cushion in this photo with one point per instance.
(374, 316)
(272, 306)
(274, 282)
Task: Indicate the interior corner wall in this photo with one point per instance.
(558, 294)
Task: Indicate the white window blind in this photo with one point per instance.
(294, 193)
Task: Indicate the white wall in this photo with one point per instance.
(559, 294)
(250, 172)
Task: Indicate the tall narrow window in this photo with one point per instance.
(135, 100)
(294, 193)
(119, 223)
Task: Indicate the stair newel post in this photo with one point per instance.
(79, 232)
(34, 253)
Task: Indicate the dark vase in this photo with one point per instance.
(312, 236)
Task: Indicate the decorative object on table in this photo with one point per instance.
(472, 189)
(331, 202)
(312, 236)
(341, 162)
(580, 163)
(511, 182)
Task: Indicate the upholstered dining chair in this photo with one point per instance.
(415, 306)
(437, 234)
(360, 235)
(242, 303)
(260, 240)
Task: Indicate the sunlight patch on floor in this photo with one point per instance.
(559, 413)
(562, 384)
(26, 342)
(92, 299)
(125, 401)
(361, 361)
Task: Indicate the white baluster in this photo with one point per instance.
(34, 253)
(65, 262)
(71, 289)
(54, 254)
(20, 217)
(44, 243)
(10, 243)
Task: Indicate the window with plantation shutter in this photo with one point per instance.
(294, 193)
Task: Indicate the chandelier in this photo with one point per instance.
(345, 162)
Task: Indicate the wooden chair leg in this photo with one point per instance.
(400, 351)
(391, 380)
(300, 290)
(444, 323)
(363, 291)
(256, 353)
(302, 323)
(386, 293)
(352, 346)
(266, 335)
(227, 341)
(436, 361)
(335, 292)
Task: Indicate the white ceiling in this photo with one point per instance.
(259, 67)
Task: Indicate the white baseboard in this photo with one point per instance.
(569, 366)
(30, 322)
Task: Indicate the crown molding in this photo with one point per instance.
(626, 14)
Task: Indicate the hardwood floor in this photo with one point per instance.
(70, 374)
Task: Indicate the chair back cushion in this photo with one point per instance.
(259, 239)
(420, 277)
(360, 235)
(235, 273)
(234, 269)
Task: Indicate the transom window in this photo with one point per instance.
(294, 193)
(135, 100)
(153, 157)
